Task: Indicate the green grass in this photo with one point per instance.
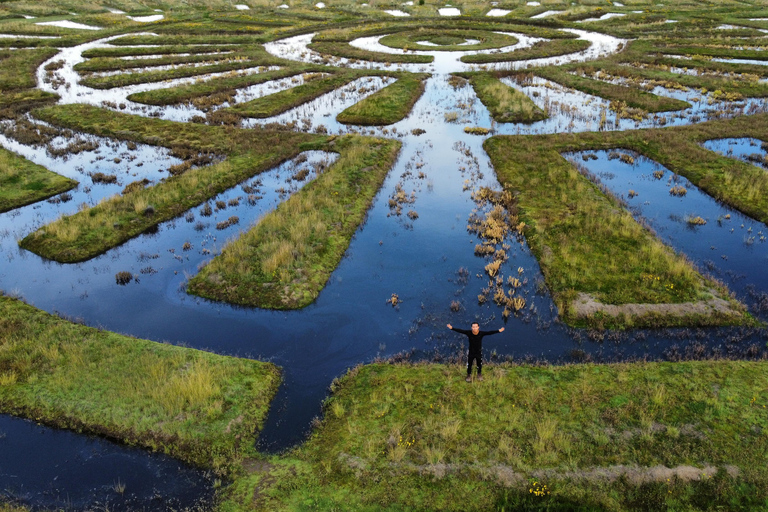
(417, 437)
(252, 57)
(632, 96)
(215, 86)
(387, 106)
(203, 408)
(18, 67)
(449, 40)
(279, 102)
(341, 49)
(286, 259)
(93, 231)
(506, 104)
(586, 243)
(539, 50)
(23, 182)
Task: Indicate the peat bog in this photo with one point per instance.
(219, 130)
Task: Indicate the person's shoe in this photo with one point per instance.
(469, 378)
(479, 378)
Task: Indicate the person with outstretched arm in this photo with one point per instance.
(475, 348)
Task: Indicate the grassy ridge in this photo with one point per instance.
(83, 235)
(279, 102)
(340, 49)
(251, 58)
(448, 40)
(585, 244)
(417, 437)
(539, 50)
(387, 106)
(725, 84)
(200, 407)
(632, 96)
(506, 104)
(23, 182)
(286, 259)
(228, 85)
(18, 67)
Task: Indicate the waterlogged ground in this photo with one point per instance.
(427, 258)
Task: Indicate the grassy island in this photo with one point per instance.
(91, 232)
(387, 106)
(200, 407)
(23, 182)
(589, 247)
(506, 104)
(285, 260)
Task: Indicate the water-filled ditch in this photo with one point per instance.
(428, 259)
(64, 470)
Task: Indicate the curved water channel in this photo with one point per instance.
(427, 260)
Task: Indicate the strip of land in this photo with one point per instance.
(279, 102)
(591, 250)
(387, 106)
(539, 50)
(286, 259)
(409, 40)
(216, 86)
(342, 49)
(633, 96)
(506, 104)
(583, 437)
(23, 182)
(203, 408)
(91, 232)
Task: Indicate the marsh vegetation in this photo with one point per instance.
(410, 227)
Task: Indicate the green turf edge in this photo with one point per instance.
(182, 93)
(286, 259)
(736, 183)
(23, 182)
(86, 234)
(506, 104)
(389, 105)
(539, 50)
(203, 408)
(332, 49)
(632, 96)
(408, 40)
(417, 437)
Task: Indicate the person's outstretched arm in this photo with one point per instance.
(486, 333)
(456, 329)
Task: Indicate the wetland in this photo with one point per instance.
(315, 189)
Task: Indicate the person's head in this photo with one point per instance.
(475, 327)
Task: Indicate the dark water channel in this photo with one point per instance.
(429, 262)
(61, 469)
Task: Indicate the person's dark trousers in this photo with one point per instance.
(479, 358)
